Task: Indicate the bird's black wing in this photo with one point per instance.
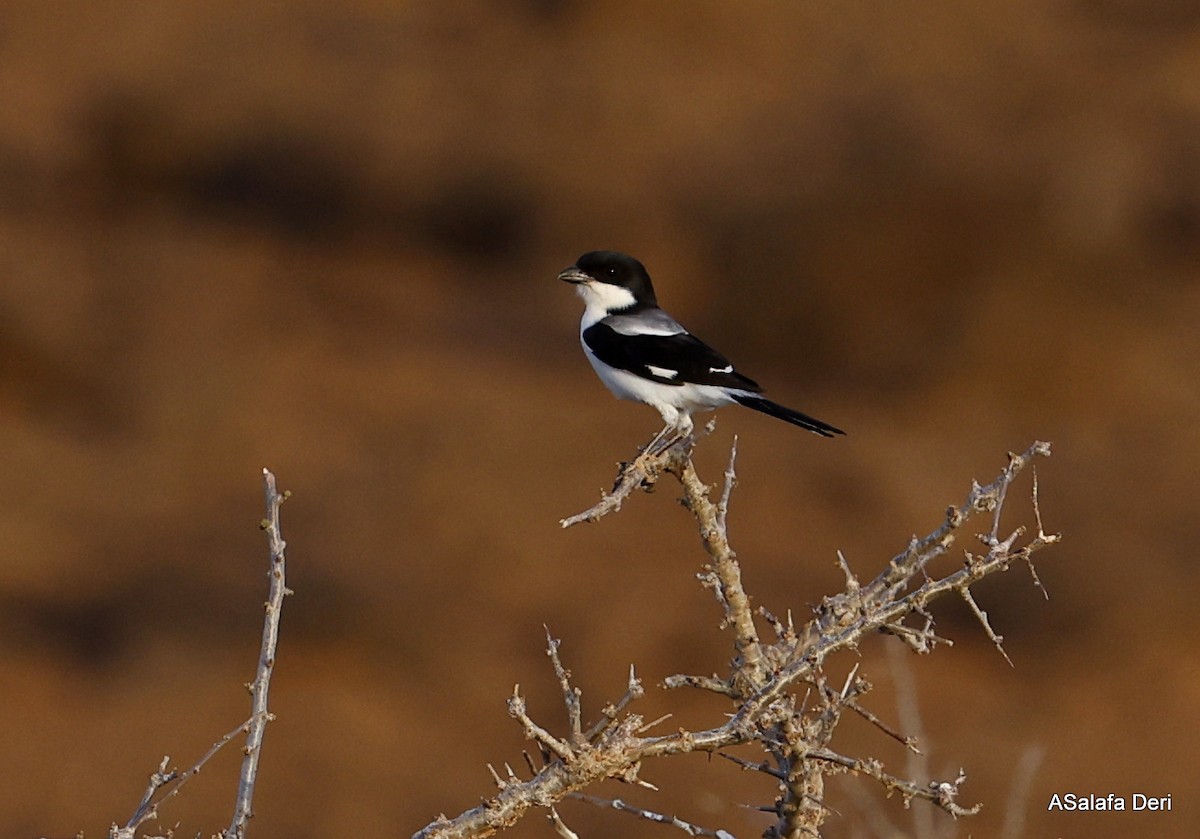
(668, 359)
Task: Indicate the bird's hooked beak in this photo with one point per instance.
(573, 275)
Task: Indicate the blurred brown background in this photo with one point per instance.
(323, 238)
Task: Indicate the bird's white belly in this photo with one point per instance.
(684, 398)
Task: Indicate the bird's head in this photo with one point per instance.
(609, 281)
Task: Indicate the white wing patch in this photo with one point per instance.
(662, 372)
(728, 368)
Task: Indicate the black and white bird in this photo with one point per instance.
(643, 354)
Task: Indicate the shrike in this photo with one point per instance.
(643, 354)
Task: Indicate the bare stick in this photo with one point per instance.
(665, 452)
(570, 694)
(148, 807)
(649, 815)
(560, 827)
(941, 793)
(253, 727)
(763, 680)
(516, 709)
(726, 578)
(144, 810)
(1037, 516)
(709, 683)
(610, 713)
(640, 473)
(259, 688)
(982, 617)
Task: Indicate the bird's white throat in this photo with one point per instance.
(602, 299)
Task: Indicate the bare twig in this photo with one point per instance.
(764, 676)
(145, 809)
(259, 688)
(1037, 517)
(649, 815)
(148, 808)
(570, 694)
(173, 781)
(725, 577)
(982, 617)
(640, 473)
(908, 742)
(533, 731)
(941, 793)
(665, 452)
(560, 826)
(612, 712)
(709, 683)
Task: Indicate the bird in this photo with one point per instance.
(642, 354)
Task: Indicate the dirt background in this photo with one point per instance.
(323, 238)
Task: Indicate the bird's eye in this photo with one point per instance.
(611, 270)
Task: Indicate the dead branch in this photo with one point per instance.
(651, 816)
(166, 784)
(266, 662)
(795, 729)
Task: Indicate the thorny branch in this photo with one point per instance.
(165, 784)
(242, 810)
(171, 780)
(763, 680)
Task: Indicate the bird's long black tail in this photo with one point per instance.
(774, 409)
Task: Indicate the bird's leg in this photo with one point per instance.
(662, 440)
(686, 426)
(677, 428)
